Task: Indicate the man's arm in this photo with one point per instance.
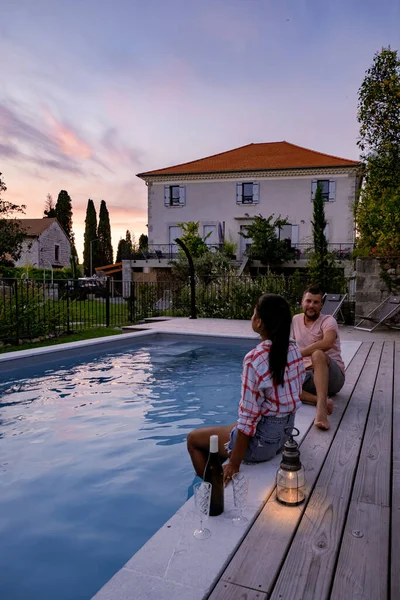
(325, 344)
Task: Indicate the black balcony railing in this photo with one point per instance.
(164, 252)
(342, 251)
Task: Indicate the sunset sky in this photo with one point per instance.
(95, 91)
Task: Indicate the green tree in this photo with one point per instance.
(125, 247)
(379, 142)
(105, 249)
(191, 237)
(90, 250)
(266, 245)
(323, 270)
(64, 216)
(49, 207)
(319, 223)
(11, 234)
(143, 242)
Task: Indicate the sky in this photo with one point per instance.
(95, 91)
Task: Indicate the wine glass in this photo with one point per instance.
(202, 499)
(240, 488)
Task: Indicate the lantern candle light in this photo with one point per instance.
(290, 478)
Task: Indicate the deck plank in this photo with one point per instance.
(228, 591)
(256, 563)
(395, 549)
(309, 566)
(372, 483)
(362, 567)
(362, 570)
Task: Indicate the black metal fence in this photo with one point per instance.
(35, 310)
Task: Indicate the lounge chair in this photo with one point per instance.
(333, 305)
(382, 313)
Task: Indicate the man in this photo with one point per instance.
(317, 337)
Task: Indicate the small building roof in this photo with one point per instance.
(35, 227)
(257, 157)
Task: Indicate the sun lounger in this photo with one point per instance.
(379, 315)
(332, 305)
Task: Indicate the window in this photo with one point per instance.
(328, 187)
(247, 193)
(57, 253)
(174, 195)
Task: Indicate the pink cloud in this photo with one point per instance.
(67, 140)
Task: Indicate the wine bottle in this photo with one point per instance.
(214, 474)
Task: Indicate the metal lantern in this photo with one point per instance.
(290, 477)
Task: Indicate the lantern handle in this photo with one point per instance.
(290, 432)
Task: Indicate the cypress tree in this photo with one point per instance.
(104, 244)
(319, 223)
(63, 212)
(125, 247)
(89, 236)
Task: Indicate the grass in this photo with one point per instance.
(73, 337)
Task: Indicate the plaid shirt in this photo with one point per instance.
(260, 396)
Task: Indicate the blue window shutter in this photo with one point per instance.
(314, 185)
(239, 193)
(256, 193)
(166, 195)
(332, 190)
(182, 195)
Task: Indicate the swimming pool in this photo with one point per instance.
(93, 457)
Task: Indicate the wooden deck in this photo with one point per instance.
(344, 542)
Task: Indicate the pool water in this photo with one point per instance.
(93, 459)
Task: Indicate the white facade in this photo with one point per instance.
(222, 205)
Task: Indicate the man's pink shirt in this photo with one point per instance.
(305, 336)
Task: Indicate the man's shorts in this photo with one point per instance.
(335, 383)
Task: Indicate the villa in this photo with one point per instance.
(226, 191)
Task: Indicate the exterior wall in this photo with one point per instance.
(214, 201)
(51, 237)
(40, 252)
(29, 253)
(371, 288)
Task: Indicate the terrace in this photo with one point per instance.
(343, 542)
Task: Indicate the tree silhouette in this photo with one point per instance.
(105, 250)
(90, 249)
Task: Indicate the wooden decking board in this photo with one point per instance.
(256, 563)
(395, 514)
(362, 568)
(373, 477)
(227, 591)
(309, 566)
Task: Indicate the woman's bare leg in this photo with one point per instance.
(198, 445)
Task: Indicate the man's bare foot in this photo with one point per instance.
(322, 423)
(329, 404)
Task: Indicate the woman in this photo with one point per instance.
(272, 379)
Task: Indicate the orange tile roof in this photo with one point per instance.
(257, 157)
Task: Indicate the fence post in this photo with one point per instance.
(68, 328)
(16, 307)
(107, 302)
(132, 301)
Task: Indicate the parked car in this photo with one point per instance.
(85, 286)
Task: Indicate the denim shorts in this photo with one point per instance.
(335, 382)
(268, 439)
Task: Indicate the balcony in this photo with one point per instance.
(341, 251)
(163, 253)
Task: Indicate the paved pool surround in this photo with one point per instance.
(173, 563)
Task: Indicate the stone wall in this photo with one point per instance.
(376, 279)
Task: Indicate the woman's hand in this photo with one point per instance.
(229, 470)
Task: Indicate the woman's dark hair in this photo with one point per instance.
(274, 312)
